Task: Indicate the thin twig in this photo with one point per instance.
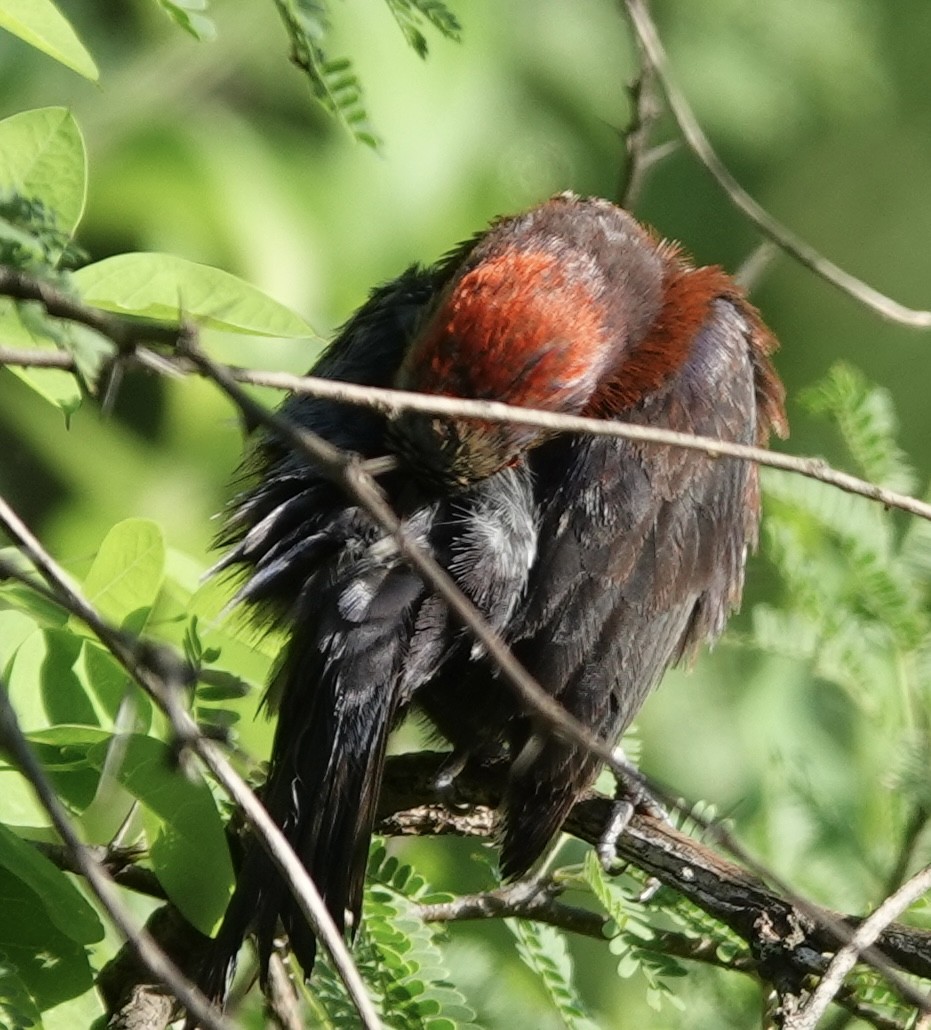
(645, 109)
(792, 244)
(98, 879)
(394, 402)
(526, 899)
(120, 866)
(865, 935)
(162, 674)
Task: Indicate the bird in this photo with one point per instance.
(600, 561)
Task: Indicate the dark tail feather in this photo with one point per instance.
(328, 759)
(540, 793)
(337, 773)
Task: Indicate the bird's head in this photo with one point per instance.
(535, 313)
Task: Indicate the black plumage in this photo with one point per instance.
(601, 561)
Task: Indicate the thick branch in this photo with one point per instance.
(775, 927)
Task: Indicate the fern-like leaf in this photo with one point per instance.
(398, 956)
(866, 419)
(332, 81)
(544, 951)
(410, 15)
(631, 938)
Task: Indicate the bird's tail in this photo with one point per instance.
(322, 791)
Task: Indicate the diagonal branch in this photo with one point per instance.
(867, 932)
(163, 674)
(792, 244)
(155, 960)
(392, 403)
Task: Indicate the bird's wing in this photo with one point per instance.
(640, 558)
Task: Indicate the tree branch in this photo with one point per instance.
(694, 136)
(163, 674)
(777, 928)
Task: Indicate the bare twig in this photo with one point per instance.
(646, 108)
(869, 930)
(699, 144)
(526, 899)
(394, 402)
(161, 673)
(120, 866)
(35, 358)
(99, 880)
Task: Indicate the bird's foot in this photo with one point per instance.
(444, 783)
(632, 795)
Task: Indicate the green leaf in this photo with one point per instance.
(42, 156)
(332, 81)
(18, 1010)
(166, 287)
(187, 842)
(543, 949)
(64, 903)
(58, 387)
(188, 14)
(127, 573)
(52, 965)
(40, 23)
(867, 421)
(409, 15)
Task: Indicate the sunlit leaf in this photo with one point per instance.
(64, 903)
(127, 573)
(40, 23)
(42, 156)
(166, 287)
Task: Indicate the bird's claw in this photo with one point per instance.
(444, 783)
(629, 798)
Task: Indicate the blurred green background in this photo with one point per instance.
(215, 151)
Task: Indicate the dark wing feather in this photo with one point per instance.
(365, 632)
(641, 558)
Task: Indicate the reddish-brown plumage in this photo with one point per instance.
(501, 330)
(688, 294)
(601, 561)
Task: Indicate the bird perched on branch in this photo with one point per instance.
(601, 561)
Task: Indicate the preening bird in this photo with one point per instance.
(600, 561)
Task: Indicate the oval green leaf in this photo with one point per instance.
(167, 287)
(64, 903)
(41, 24)
(42, 156)
(127, 573)
(188, 845)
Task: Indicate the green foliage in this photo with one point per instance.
(40, 23)
(399, 956)
(333, 81)
(631, 935)
(866, 419)
(166, 287)
(856, 602)
(189, 15)
(543, 949)
(410, 15)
